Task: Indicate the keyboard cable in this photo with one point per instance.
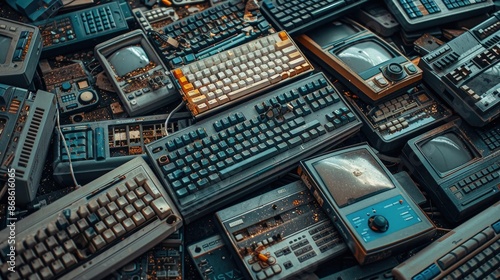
(170, 115)
(66, 148)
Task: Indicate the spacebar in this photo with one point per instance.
(327, 8)
(249, 162)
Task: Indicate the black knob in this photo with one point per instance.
(378, 223)
(394, 72)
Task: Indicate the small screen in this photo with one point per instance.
(4, 48)
(128, 59)
(330, 33)
(365, 55)
(446, 152)
(352, 176)
(490, 78)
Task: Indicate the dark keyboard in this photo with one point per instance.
(227, 155)
(470, 251)
(83, 28)
(97, 147)
(491, 137)
(390, 124)
(95, 229)
(299, 16)
(208, 32)
(420, 14)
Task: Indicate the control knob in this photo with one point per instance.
(378, 223)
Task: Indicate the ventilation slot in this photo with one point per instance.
(29, 144)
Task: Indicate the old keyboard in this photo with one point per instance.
(83, 28)
(299, 16)
(420, 14)
(93, 230)
(155, 18)
(470, 251)
(219, 81)
(208, 32)
(230, 154)
(389, 125)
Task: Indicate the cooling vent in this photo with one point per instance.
(29, 144)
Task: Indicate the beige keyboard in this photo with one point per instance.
(94, 230)
(216, 82)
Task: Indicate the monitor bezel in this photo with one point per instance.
(313, 173)
(374, 70)
(354, 25)
(459, 133)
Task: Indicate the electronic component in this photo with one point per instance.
(208, 32)
(280, 234)
(98, 147)
(20, 49)
(26, 123)
(84, 28)
(389, 125)
(155, 19)
(94, 229)
(163, 261)
(376, 18)
(139, 77)
(421, 14)
(466, 72)
(72, 85)
(299, 16)
(369, 66)
(426, 44)
(229, 154)
(458, 166)
(470, 251)
(219, 81)
(213, 259)
(371, 210)
(36, 9)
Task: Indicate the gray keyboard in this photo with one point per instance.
(470, 251)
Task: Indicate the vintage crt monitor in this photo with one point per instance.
(458, 166)
(466, 72)
(26, 123)
(368, 65)
(139, 77)
(20, 50)
(371, 210)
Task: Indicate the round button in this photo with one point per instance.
(394, 72)
(378, 223)
(66, 86)
(86, 97)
